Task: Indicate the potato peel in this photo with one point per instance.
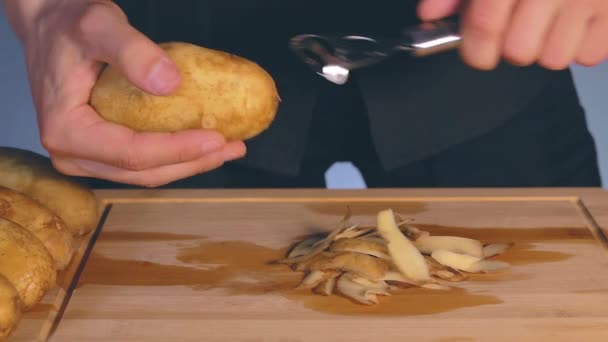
(370, 284)
(435, 286)
(313, 279)
(326, 287)
(429, 244)
(397, 279)
(322, 244)
(364, 265)
(445, 272)
(488, 266)
(458, 261)
(357, 292)
(354, 232)
(362, 262)
(495, 249)
(304, 247)
(369, 247)
(406, 257)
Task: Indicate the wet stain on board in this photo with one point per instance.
(242, 268)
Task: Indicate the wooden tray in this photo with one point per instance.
(152, 272)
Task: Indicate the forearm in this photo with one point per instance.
(21, 14)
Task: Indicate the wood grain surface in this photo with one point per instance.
(193, 266)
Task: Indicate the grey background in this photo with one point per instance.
(18, 123)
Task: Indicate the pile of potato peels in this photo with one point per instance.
(363, 263)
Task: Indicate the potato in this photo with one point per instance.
(10, 308)
(33, 175)
(219, 91)
(26, 263)
(39, 220)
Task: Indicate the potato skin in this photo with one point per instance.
(34, 175)
(40, 221)
(219, 91)
(26, 263)
(10, 308)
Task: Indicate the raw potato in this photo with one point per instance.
(40, 221)
(429, 244)
(33, 175)
(26, 263)
(10, 308)
(405, 255)
(218, 91)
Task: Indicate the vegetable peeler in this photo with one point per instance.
(333, 56)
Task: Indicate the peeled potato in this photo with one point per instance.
(33, 175)
(39, 220)
(26, 263)
(218, 91)
(10, 308)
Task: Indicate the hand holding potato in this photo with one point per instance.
(554, 33)
(65, 44)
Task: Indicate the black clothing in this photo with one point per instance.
(407, 122)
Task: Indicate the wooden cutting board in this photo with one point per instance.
(193, 266)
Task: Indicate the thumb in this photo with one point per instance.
(437, 9)
(110, 38)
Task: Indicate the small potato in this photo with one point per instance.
(10, 308)
(39, 220)
(219, 91)
(33, 175)
(26, 263)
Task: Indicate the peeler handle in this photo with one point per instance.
(431, 37)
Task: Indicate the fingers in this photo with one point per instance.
(109, 38)
(92, 138)
(437, 9)
(152, 177)
(483, 26)
(565, 38)
(528, 30)
(594, 48)
(552, 33)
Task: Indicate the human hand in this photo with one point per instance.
(66, 44)
(552, 33)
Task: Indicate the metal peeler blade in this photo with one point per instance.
(334, 56)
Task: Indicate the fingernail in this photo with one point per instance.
(163, 77)
(232, 155)
(211, 146)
